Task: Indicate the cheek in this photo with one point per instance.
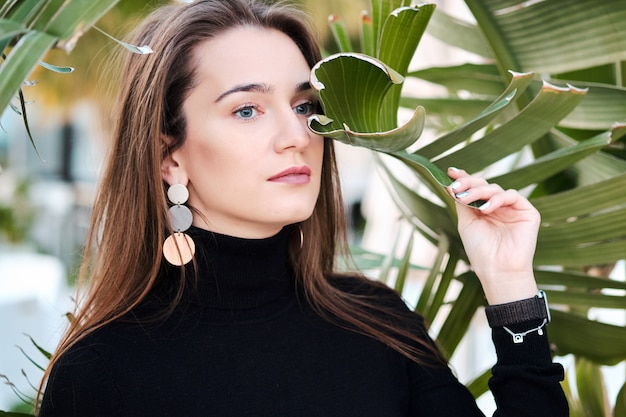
(318, 158)
(317, 145)
(201, 162)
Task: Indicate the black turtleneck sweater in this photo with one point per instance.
(243, 343)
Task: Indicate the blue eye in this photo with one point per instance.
(305, 109)
(246, 112)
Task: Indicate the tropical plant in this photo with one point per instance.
(26, 400)
(30, 29)
(569, 124)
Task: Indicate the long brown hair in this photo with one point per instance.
(130, 222)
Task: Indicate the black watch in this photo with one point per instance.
(499, 315)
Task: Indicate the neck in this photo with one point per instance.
(243, 231)
(237, 273)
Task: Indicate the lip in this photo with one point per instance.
(293, 175)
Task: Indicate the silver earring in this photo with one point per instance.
(179, 248)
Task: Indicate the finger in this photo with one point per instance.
(483, 191)
(455, 173)
(508, 198)
(463, 181)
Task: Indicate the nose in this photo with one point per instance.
(292, 131)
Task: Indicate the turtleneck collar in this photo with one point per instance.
(236, 273)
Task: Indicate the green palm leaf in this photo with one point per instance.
(600, 342)
(352, 88)
(570, 121)
(542, 114)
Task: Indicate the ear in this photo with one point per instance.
(172, 171)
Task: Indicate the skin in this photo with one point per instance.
(499, 239)
(247, 124)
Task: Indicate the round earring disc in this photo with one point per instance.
(179, 249)
(180, 218)
(178, 194)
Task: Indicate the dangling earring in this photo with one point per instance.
(179, 248)
(301, 236)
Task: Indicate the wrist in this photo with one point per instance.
(509, 287)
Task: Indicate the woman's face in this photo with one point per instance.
(249, 160)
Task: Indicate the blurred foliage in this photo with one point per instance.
(93, 58)
(16, 214)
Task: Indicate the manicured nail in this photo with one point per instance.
(463, 194)
(453, 169)
(455, 185)
(484, 206)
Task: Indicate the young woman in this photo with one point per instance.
(242, 314)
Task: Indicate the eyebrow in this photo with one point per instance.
(259, 88)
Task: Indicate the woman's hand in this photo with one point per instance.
(499, 238)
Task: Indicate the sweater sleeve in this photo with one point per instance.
(438, 393)
(80, 385)
(525, 382)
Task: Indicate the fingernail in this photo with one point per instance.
(453, 169)
(484, 206)
(455, 185)
(463, 194)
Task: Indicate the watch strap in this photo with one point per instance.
(499, 315)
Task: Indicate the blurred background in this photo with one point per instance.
(45, 202)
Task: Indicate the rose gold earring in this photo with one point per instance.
(179, 248)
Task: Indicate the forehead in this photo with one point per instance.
(250, 54)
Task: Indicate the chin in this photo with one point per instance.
(297, 216)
